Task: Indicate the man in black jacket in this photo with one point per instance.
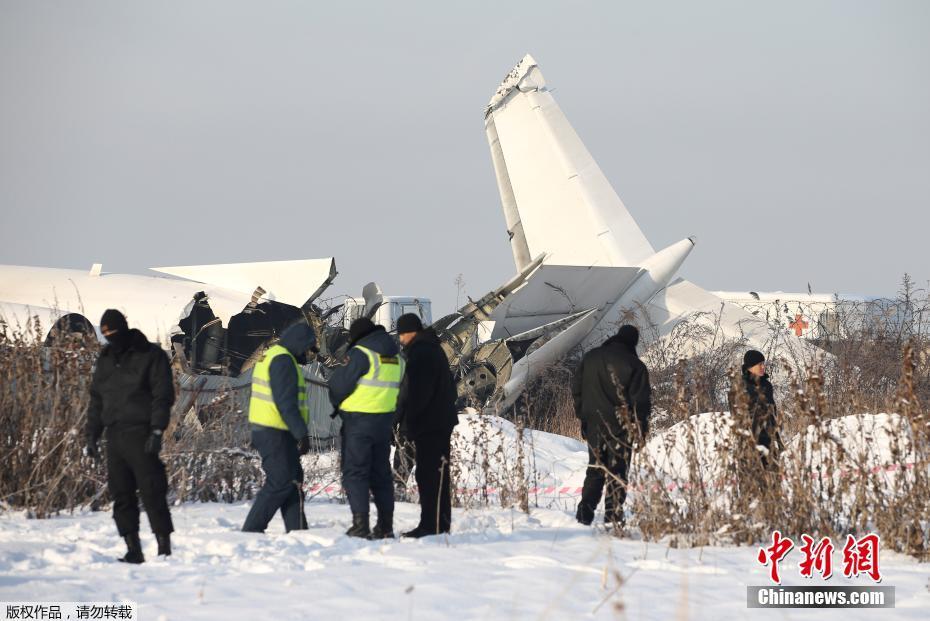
(130, 399)
(762, 410)
(279, 429)
(614, 401)
(364, 393)
(427, 415)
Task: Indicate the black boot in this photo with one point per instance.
(584, 514)
(384, 527)
(133, 550)
(164, 543)
(360, 526)
(422, 531)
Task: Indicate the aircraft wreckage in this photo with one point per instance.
(583, 268)
(583, 265)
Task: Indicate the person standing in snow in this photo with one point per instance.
(613, 400)
(131, 394)
(278, 414)
(427, 415)
(364, 393)
(761, 400)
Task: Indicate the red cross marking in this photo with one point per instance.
(798, 325)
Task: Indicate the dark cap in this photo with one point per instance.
(409, 323)
(752, 358)
(114, 320)
(360, 328)
(629, 335)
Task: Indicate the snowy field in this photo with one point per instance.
(496, 564)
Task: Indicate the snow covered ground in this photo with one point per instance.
(497, 563)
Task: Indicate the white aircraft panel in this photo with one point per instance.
(553, 349)
(556, 291)
(19, 318)
(152, 304)
(683, 298)
(290, 282)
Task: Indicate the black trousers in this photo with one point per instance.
(366, 461)
(604, 458)
(130, 468)
(284, 477)
(433, 480)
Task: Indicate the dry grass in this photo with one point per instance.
(708, 486)
(43, 404)
(845, 470)
(43, 396)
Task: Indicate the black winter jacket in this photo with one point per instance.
(611, 380)
(131, 387)
(427, 394)
(343, 379)
(762, 408)
(297, 339)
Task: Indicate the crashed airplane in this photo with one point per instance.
(583, 268)
(583, 265)
(216, 315)
(216, 319)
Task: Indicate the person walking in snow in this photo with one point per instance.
(131, 394)
(760, 395)
(613, 400)
(427, 415)
(364, 393)
(278, 414)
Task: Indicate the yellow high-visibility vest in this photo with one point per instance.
(262, 409)
(376, 392)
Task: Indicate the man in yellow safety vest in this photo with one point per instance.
(278, 415)
(364, 393)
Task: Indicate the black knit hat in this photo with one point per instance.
(752, 358)
(360, 328)
(409, 323)
(114, 320)
(629, 335)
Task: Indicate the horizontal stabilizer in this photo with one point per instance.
(548, 329)
(556, 291)
(552, 350)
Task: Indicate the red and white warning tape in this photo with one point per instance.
(561, 491)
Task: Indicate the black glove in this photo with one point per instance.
(303, 445)
(91, 450)
(153, 444)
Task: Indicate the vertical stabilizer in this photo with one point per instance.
(555, 198)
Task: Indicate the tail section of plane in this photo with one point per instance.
(556, 200)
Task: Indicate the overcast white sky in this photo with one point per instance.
(792, 138)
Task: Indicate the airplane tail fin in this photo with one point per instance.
(555, 198)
